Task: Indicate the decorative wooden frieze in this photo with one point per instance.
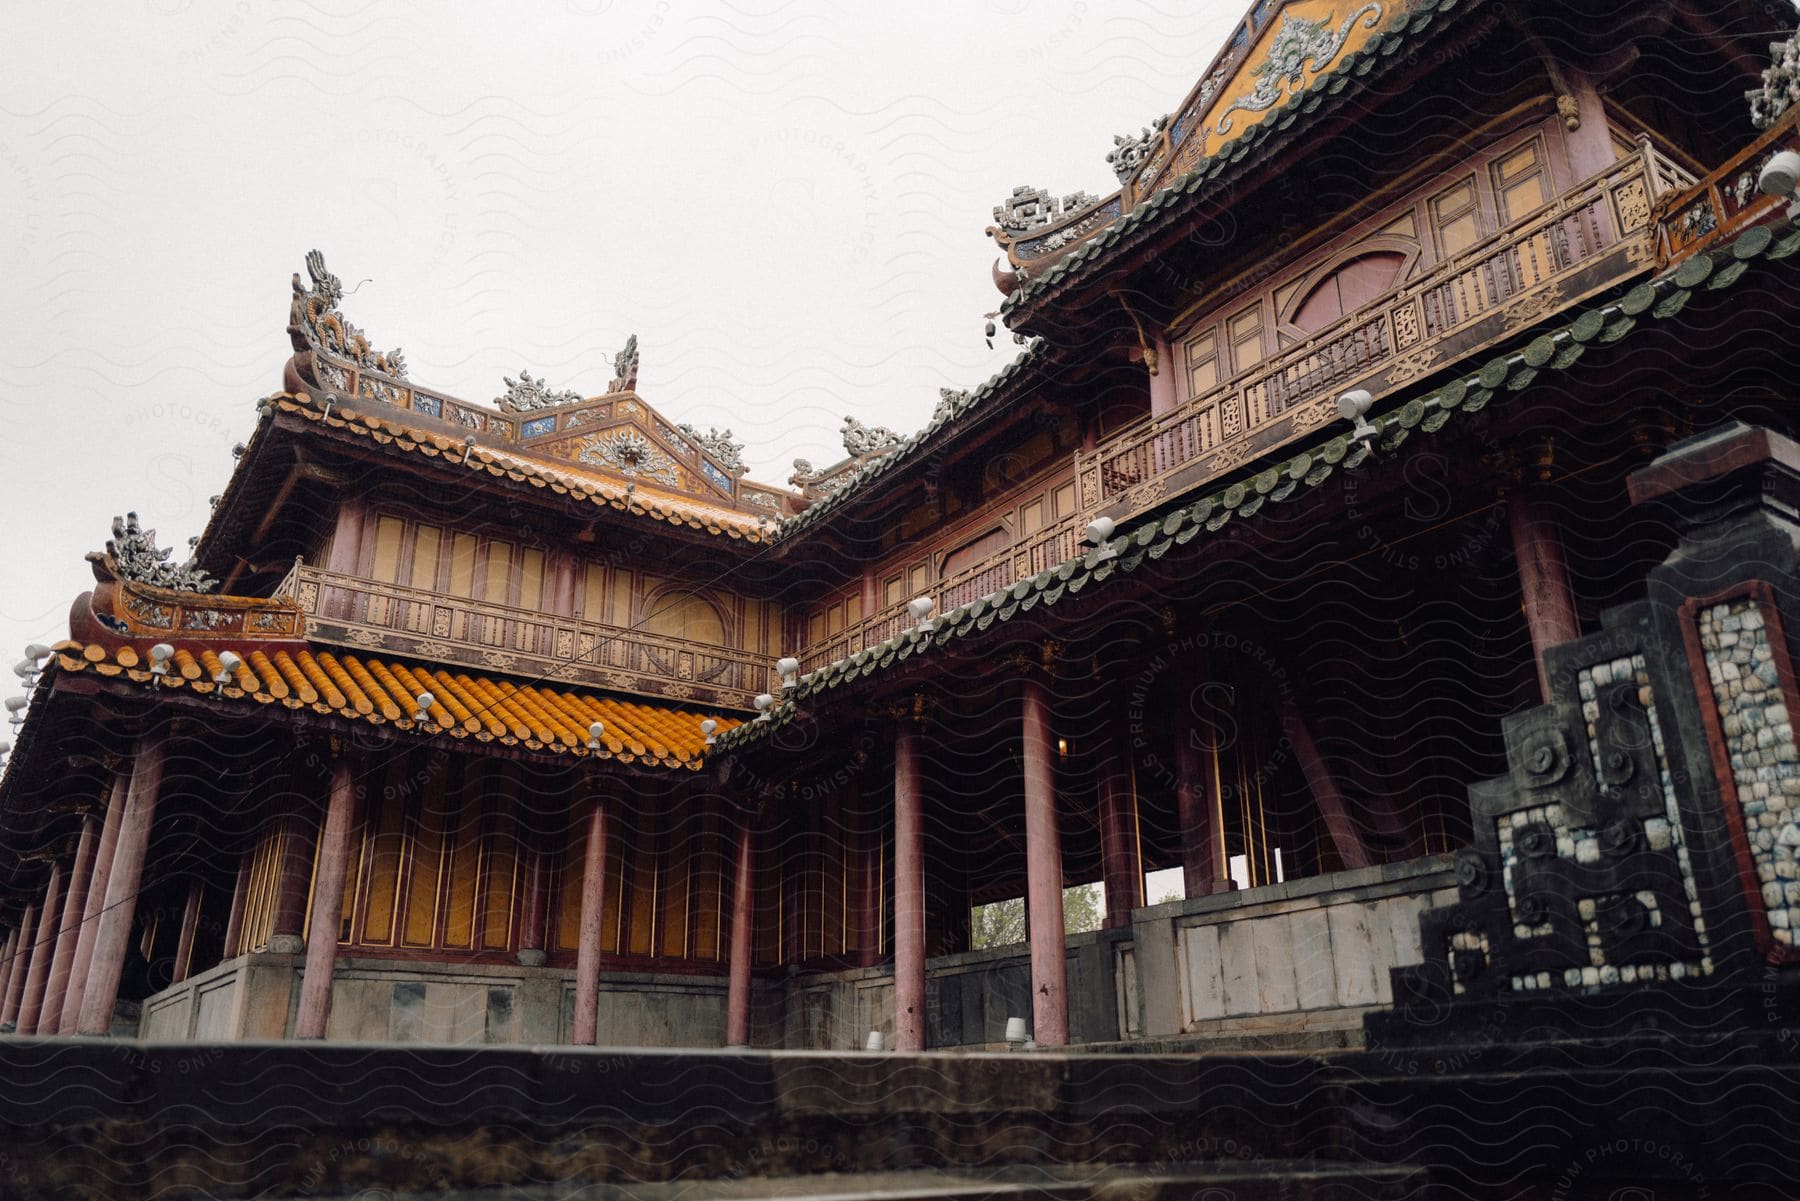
(414, 622)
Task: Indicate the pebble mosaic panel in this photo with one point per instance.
(1584, 846)
(1765, 763)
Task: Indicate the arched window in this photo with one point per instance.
(679, 614)
(1348, 288)
(973, 552)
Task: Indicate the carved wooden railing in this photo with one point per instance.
(1585, 241)
(1001, 569)
(350, 611)
(1696, 216)
(1620, 222)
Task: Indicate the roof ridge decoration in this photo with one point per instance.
(315, 318)
(719, 444)
(560, 474)
(860, 439)
(1780, 84)
(1129, 153)
(132, 555)
(625, 368)
(1297, 42)
(525, 394)
(332, 364)
(1232, 101)
(829, 487)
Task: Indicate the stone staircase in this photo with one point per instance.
(102, 1119)
(1250, 1181)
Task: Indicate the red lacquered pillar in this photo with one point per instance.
(328, 903)
(1547, 598)
(21, 960)
(94, 903)
(1121, 873)
(1043, 874)
(743, 897)
(587, 949)
(37, 977)
(68, 932)
(537, 884)
(190, 925)
(113, 938)
(909, 893)
(234, 921)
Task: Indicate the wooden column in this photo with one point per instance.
(871, 597)
(1043, 873)
(328, 903)
(94, 903)
(113, 938)
(868, 888)
(1204, 868)
(234, 921)
(537, 886)
(1548, 599)
(1162, 379)
(8, 952)
(743, 904)
(1345, 835)
(909, 893)
(1121, 868)
(287, 929)
(68, 931)
(587, 950)
(190, 925)
(1590, 143)
(346, 554)
(21, 961)
(31, 1005)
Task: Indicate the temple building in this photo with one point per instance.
(535, 720)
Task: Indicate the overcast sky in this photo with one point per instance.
(784, 201)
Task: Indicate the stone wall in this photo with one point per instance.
(1304, 956)
(375, 1000)
(968, 998)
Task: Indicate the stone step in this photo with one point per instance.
(1250, 1180)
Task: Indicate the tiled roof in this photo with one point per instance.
(381, 691)
(983, 394)
(1557, 350)
(381, 427)
(1328, 92)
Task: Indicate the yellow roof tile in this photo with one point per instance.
(383, 691)
(559, 476)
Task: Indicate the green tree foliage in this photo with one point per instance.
(1002, 923)
(1084, 906)
(997, 925)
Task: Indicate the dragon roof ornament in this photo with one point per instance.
(1129, 152)
(526, 393)
(860, 439)
(949, 401)
(1780, 84)
(719, 444)
(625, 368)
(132, 554)
(315, 317)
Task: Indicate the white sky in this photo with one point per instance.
(784, 201)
